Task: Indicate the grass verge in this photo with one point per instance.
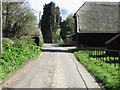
(105, 73)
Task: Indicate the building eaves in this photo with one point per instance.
(113, 39)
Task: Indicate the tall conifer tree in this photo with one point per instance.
(50, 21)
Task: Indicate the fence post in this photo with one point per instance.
(96, 53)
(93, 52)
(109, 57)
(103, 55)
(99, 53)
(119, 67)
(115, 60)
(0, 27)
(119, 58)
(106, 54)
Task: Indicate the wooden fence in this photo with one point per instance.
(105, 55)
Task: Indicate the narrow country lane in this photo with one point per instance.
(56, 68)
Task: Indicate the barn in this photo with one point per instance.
(70, 39)
(114, 43)
(96, 23)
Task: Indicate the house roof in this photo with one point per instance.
(113, 39)
(99, 3)
(98, 17)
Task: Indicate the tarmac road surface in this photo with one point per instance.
(57, 68)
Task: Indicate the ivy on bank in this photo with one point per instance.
(14, 56)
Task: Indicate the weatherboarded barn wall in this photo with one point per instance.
(97, 17)
(96, 23)
(94, 39)
(70, 39)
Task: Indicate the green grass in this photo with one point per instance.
(15, 56)
(105, 73)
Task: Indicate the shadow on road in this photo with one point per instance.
(55, 50)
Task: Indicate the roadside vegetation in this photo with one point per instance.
(67, 27)
(19, 28)
(18, 20)
(105, 73)
(15, 56)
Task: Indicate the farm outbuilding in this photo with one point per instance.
(94, 39)
(70, 39)
(114, 43)
(96, 23)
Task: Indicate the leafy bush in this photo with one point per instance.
(105, 73)
(14, 56)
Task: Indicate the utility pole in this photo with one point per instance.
(39, 24)
(0, 27)
(39, 16)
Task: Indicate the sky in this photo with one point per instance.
(69, 6)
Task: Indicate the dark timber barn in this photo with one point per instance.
(70, 39)
(96, 23)
(114, 43)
